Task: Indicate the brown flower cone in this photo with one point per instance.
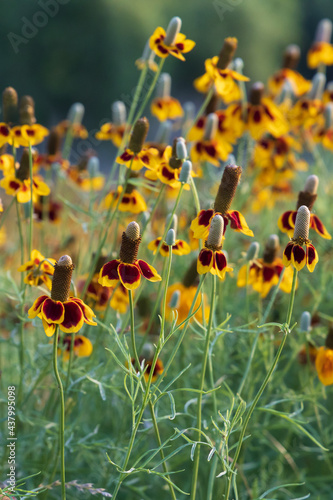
(256, 93)
(23, 172)
(227, 188)
(302, 224)
(27, 110)
(61, 281)
(138, 136)
(291, 58)
(227, 53)
(53, 143)
(175, 162)
(10, 105)
(271, 249)
(191, 277)
(307, 199)
(129, 249)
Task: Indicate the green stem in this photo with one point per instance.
(62, 414)
(136, 97)
(202, 381)
(31, 201)
(23, 290)
(70, 361)
(135, 354)
(263, 386)
(150, 91)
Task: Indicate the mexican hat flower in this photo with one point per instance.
(211, 259)
(114, 131)
(86, 174)
(18, 183)
(209, 148)
(180, 247)
(39, 270)
(82, 347)
(132, 201)
(219, 74)
(307, 197)
(264, 273)
(10, 105)
(70, 313)
(294, 252)
(171, 42)
(53, 155)
(128, 269)
(321, 51)
(308, 110)
(135, 155)
(324, 361)
(163, 106)
(147, 366)
(6, 136)
(298, 83)
(226, 192)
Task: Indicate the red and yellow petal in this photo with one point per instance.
(148, 271)
(200, 225)
(311, 257)
(129, 275)
(220, 265)
(318, 226)
(49, 328)
(181, 248)
(87, 312)
(238, 222)
(73, 319)
(286, 260)
(284, 223)
(36, 306)
(108, 275)
(324, 365)
(205, 261)
(52, 311)
(126, 157)
(298, 257)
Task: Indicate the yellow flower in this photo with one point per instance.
(171, 42)
(40, 269)
(82, 347)
(324, 365)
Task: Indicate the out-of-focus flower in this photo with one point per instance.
(287, 73)
(171, 42)
(128, 269)
(114, 131)
(324, 361)
(147, 59)
(82, 347)
(180, 247)
(321, 51)
(70, 313)
(209, 148)
(40, 269)
(163, 106)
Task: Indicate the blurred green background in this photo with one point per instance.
(86, 50)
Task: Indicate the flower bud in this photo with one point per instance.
(75, 113)
(139, 134)
(210, 127)
(227, 189)
(227, 52)
(324, 31)
(174, 223)
(181, 150)
(318, 85)
(305, 323)
(215, 235)
(170, 238)
(93, 166)
(147, 351)
(133, 230)
(163, 87)
(253, 251)
(311, 184)
(62, 278)
(291, 56)
(163, 132)
(175, 299)
(302, 224)
(23, 172)
(185, 173)
(172, 31)
(118, 113)
(9, 105)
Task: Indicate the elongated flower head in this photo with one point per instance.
(172, 31)
(256, 93)
(163, 87)
(163, 133)
(318, 85)
(210, 127)
(76, 113)
(308, 196)
(175, 297)
(23, 172)
(227, 188)
(130, 243)
(175, 161)
(291, 56)
(302, 224)
(53, 142)
(305, 323)
(271, 249)
(27, 110)
(62, 278)
(227, 52)
(9, 105)
(214, 240)
(170, 238)
(324, 31)
(118, 113)
(253, 251)
(181, 149)
(139, 134)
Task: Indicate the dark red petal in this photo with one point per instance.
(52, 310)
(288, 250)
(110, 269)
(285, 219)
(220, 261)
(145, 268)
(311, 254)
(205, 257)
(204, 217)
(268, 273)
(299, 253)
(235, 222)
(73, 315)
(129, 273)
